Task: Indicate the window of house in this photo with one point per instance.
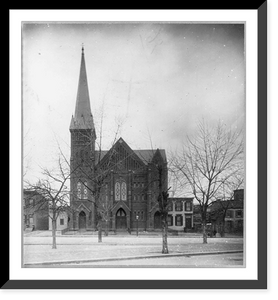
(229, 214)
(187, 206)
(178, 220)
(239, 214)
(61, 221)
(31, 219)
(142, 215)
(170, 220)
(178, 206)
(170, 206)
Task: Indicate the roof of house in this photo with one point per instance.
(181, 198)
(232, 204)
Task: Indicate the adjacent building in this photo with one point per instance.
(180, 214)
(227, 216)
(35, 211)
(62, 219)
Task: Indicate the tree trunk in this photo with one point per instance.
(54, 246)
(164, 236)
(99, 231)
(223, 228)
(205, 237)
(106, 228)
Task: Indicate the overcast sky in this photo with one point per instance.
(155, 79)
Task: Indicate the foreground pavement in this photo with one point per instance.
(207, 260)
(121, 250)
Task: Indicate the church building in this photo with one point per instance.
(119, 186)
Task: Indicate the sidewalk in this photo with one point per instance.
(38, 250)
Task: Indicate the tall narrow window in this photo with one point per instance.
(120, 191)
(178, 220)
(187, 206)
(85, 191)
(117, 191)
(178, 206)
(123, 191)
(79, 190)
(170, 220)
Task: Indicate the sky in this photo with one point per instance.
(154, 80)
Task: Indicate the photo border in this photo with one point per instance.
(261, 282)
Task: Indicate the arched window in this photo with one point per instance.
(123, 191)
(79, 190)
(85, 191)
(117, 191)
(120, 191)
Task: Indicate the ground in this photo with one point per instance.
(130, 250)
(214, 260)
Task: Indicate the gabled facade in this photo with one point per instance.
(120, 184)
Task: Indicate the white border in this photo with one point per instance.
(248, 16)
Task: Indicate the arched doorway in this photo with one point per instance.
(157, 220)
(121, 219)
(82, 220)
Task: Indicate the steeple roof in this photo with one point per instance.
(83, 118)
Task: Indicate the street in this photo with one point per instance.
(131, 250)
(215, 260)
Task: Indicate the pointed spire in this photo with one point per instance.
(83, 118)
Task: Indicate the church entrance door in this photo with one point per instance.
(82, 220)
(121, 219)
(157, 220)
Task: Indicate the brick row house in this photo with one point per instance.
(228, 215)
(35, 211)
(180, 214)
(223, 216)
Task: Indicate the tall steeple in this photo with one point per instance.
(82, 157)
(83, 118)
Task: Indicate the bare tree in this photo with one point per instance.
(54, 192)
(207, 163)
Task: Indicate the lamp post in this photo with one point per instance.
(137, 218)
